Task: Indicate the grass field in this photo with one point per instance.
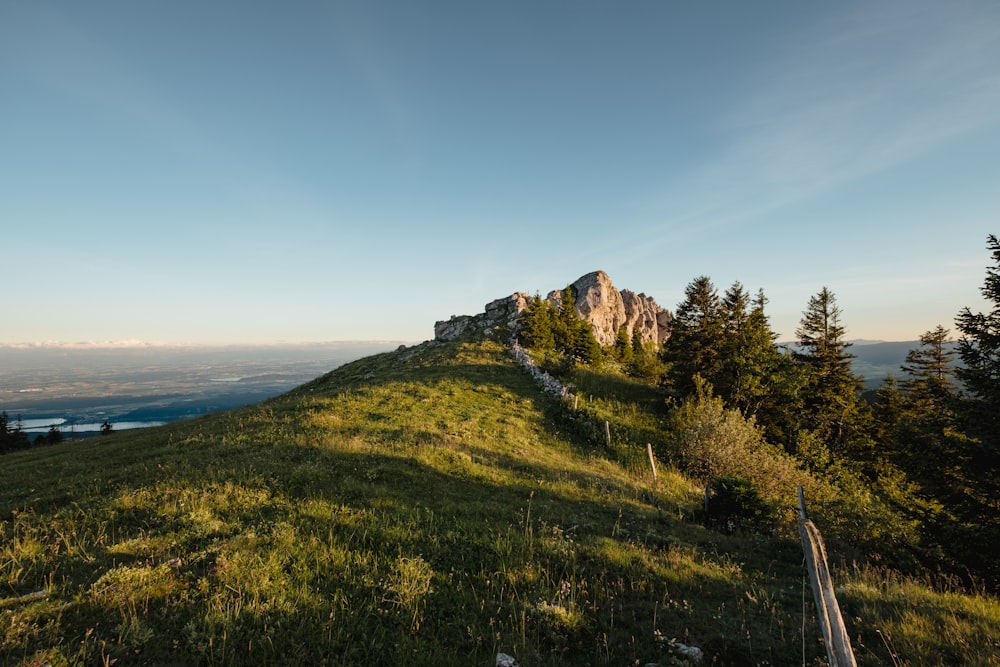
(428, 506)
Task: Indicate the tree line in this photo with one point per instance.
(928, 441)
(13, 437)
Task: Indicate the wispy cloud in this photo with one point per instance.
(848, 97)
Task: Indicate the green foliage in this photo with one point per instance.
(536, 326)
(979, 349)
(545, 327)
(695, 346)
(623, 349)
(647, 364)
(832, 406)
(12, 436)
(432, 506)
(734, 502)
(729, 343)
(710, 441)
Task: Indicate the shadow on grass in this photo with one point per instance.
(218, 541)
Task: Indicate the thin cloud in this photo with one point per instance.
(844, 101)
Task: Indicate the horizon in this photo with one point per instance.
(181, 345)
(359, 171)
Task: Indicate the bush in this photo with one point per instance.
(734, 502)
(710, 441)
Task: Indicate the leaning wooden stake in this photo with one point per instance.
(838, 643)
(652, 461)
(607, 432)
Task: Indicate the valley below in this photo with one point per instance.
(77, 389)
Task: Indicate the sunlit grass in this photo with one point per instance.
(423, 507)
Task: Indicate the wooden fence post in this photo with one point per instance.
(607, 432)
(652, 461)
(838, 643)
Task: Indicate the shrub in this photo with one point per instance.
(734, 502)
(710, 441)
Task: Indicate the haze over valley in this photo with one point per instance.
(77, 388)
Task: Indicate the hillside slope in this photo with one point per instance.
(429, 506)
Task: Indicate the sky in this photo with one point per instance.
(261, 172)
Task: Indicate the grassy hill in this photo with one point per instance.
(429, 506)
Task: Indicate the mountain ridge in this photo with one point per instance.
(596, 300)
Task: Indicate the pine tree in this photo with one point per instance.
(695, 346)
(584, 344)
(623, 346)
(926, 434)
(750, 359)
(536, 325)
(979, 372)
(930, 369)
(834, 412)
(979, 349)
(572, 335)
(54, 436)
(12, 437)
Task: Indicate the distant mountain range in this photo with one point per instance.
(875, 360)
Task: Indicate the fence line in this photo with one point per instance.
(838, 643)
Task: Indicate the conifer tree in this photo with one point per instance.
(979, 349)
(930, 369)
(573, 335)
(584, 344)
(695, 346)
(12, 437)
(918, 419)
(536, 325)
(750, 359)
(623, 346)
(834, 413)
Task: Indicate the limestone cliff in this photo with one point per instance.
(596, 300)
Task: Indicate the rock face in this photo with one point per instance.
(499, 313)
(596, 300)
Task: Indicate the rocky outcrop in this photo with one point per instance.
(499, 313)
(642, 314)
(596, 300)
(608, 310)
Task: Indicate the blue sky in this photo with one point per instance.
(239, 172)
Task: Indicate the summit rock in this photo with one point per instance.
(596, 300)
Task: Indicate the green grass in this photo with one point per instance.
(422, 507)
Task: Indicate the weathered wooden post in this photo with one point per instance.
(838, 643)
(652, 462)
(607, 432)
(576, 401)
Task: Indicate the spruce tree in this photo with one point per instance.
(834, 413)
(929, 369)
(695, 346)
(919, 422)
(536, 326)
(584, 345)
(750, 362)
(979, 349)
(623, 346)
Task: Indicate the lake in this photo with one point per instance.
(77, 388)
